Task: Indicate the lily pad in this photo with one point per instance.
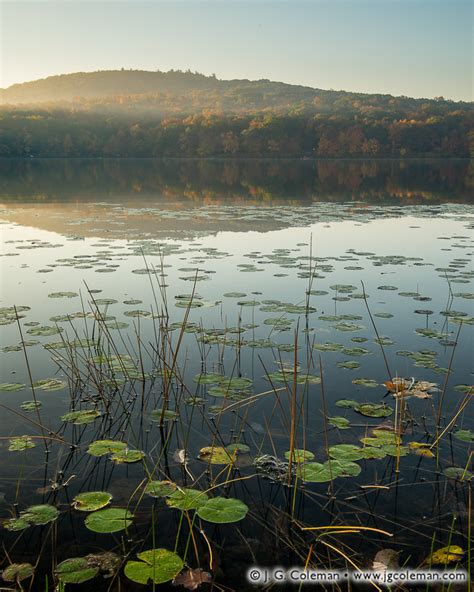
(17, 572)
(33, 516)
(103, 447)
(82, 417)
(464, 435)
(109, 520)
(373, 409)
(299, 455)
(458, 473)
(75, 571)
(156, 565)
(339, 422)
(348, 452)
(160, 488)
(91, 501)
(221, 510)
(187, 499)
(127, 455)
(446, 555)
(216, 455)
(21, 443)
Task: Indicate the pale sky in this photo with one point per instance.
(420, 48)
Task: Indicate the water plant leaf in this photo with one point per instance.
(91, 501)
(343, 468)
(221, 510)
(156, 565)
(49, 384)
(33, 516)
(127, 455)
(348, 452)
(299, 455)
(191, 579)
(109, 520)
(314, 472)
(11, 386)
(458, 473)
(160, 488)
(464, 435)
(102, 447)
(20, 443)
(339, 422)
(82, 417)
(187, 499)
(75, 570)
(346, 404)
(373, 409)
(216, 455)
(17, 572)
(445, 555)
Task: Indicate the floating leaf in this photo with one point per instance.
(458, 473)
(191, 579)
(373, 409)
(49, 384)
(81, 417)
(299, 456)
(187, 499)
(464, 435)
(33, 516)
(109, 520)
(11, 386)
(216, 455)
(221, 510)
(17, 572)
(75, 571)
(346, 452)
(91, 501)
(339, 422)
(102, 447)
(160, 488)
(446, 555)
(127, 455)
(156, 565)
(314, 472)
(21, 443)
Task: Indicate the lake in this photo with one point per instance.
(229, 353)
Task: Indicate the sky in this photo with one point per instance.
(419, 48)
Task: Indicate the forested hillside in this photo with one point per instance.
(181, 114)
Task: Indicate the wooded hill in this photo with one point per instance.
(184, 114)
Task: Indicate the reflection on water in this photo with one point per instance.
(280, 255)
(215, 181)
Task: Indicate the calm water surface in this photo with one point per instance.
(277, 256)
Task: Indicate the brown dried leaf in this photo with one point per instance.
(191, 579)
(385, 559)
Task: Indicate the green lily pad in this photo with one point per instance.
(347, 404)
(348, 452)
(127, 455)
(343, 468)
(187, 499)
(221, 510)
(20, 443)
(160, 488)
(30, 405)
(11, 386)
(75, 570)
(299, 455)
(45, 330)
(49, 384)
(156, 565)
(103, 447)
(33, 516)
(314, 472)
(63, 295)
(237, 448)
(17, 572)
(339, 422)
(216, 455)
(91, 501)
(464, 435)
(82, 417)
(159, 415)
(109, 520)
(458, 473)
(373, 409)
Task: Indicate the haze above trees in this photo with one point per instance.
(137, 113)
